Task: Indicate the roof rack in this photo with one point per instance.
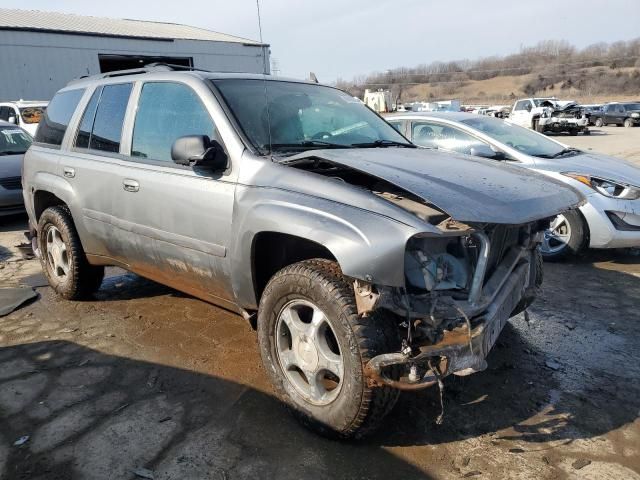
(148, 68)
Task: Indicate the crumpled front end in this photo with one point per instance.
(460, 291)
(570, 117)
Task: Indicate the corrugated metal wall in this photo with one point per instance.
(34, 65)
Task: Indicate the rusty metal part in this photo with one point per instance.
(366, 298)
(375, 377)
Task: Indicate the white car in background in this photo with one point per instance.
(609, 219)
(25, 114)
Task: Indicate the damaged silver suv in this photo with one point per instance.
(368, 266)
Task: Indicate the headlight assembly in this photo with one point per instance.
(608, 188)
(635, 115)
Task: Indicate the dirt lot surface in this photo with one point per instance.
(617, 141)
(145, 379)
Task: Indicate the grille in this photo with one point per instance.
(11, 183)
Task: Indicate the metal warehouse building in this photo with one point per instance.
(41, 51)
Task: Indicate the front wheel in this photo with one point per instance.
(599, 123)
(314, 346)
(565, 237)
(628, 123)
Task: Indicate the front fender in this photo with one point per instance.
(367, 245)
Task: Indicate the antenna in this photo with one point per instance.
(264, 75)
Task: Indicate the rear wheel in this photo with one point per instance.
(314, 346)
(566, 236)
(599, 123)
(63, 260)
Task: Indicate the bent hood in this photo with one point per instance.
(468, 189)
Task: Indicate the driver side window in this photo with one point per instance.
(436, 135)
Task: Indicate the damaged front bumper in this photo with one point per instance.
(461, 347)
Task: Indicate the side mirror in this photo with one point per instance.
(199, 150)
(13, 119)
(529, 108)
(484, 151)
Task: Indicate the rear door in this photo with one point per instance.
(89, 166)
(173, 221)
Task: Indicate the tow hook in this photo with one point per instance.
(373, 371)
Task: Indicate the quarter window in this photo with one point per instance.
(166, 112)
(57, 117)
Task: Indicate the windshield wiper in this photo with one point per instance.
(11, 152)
(566, 151)
(306, 144)
(382, 143)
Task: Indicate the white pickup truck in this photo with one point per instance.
(549, 114)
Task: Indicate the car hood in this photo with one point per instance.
(466, 188)
(10, 165)
(603, 166)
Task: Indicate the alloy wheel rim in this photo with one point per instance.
(308, 352)
(557, 236)
(57, 255)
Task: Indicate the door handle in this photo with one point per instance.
(130, 185)
(69, 172)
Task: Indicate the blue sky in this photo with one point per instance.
(341, 39)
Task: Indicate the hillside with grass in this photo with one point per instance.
(598, 73)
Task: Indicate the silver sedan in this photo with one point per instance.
(609, 219)
(14, 142)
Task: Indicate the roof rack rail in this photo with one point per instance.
(151, 67)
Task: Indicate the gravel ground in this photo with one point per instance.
(143, 378)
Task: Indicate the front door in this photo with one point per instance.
(174, 221)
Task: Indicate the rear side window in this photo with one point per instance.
(57, 117)
(86, 124)
(109, 117)
(166, 112)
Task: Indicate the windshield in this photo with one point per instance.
(303, 116)
(540, 101)
(632, 106)
(13, 141)
(519, 138)
(32, 114)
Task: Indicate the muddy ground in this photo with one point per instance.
(143, 377)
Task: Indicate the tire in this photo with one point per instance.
(536, 126)
(573, 243)
(356, 409)
(599, 123)
(536, 276)
(70, 275)
(628, 123)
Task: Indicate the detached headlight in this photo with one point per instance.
(635, 115)
(608, 188)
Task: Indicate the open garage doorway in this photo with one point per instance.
(110, 63)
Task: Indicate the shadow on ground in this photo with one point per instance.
(91, 415)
